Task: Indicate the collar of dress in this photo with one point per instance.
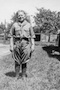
(22, 24)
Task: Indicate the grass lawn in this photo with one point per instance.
(43, 72)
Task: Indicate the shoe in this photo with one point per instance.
(26, 75)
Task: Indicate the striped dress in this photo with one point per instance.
(22, 50)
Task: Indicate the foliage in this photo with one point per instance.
(36, 29)
(14, 17)
(47, 20)
(2, 27)
(9, 27)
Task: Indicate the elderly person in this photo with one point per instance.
(21, 42)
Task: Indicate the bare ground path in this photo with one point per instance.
(43, 72)
(4, 50)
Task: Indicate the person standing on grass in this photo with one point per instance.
(21, 42)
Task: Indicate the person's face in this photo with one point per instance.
(21, 16)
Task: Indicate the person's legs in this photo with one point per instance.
(24, 68)
(17, 69)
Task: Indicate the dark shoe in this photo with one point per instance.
(26, 75)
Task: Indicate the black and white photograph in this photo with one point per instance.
(29, 44)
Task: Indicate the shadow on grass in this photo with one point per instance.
(10, 74)
(50, 49)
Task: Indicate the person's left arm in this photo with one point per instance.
(32, 34)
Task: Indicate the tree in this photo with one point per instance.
(2, 27)
(47, 20)
(36, 29)
(14, 17)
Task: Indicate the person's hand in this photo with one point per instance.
(32, 48)
(11, 44)
(33, 45)
(12, 48)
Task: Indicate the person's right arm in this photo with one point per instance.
(11, 38)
